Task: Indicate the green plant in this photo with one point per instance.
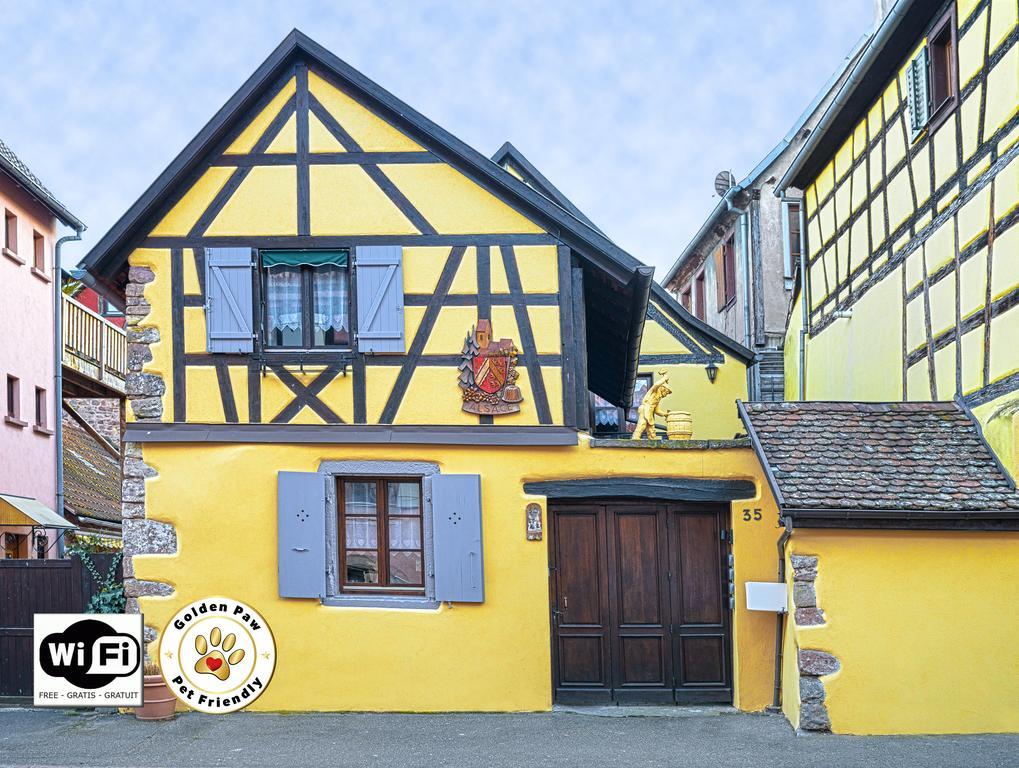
(110, 597)
(151, 668)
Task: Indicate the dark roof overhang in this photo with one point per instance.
(665, 488)
(901, 29)
(40, 193)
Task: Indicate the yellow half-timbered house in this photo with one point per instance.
(365, 360)
(897, 484)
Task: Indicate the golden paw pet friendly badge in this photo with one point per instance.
(217, 655)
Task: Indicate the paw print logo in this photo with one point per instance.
(213, 660)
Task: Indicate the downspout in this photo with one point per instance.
(776, 702)
(745, 235)
(804, 311)
(58, 375)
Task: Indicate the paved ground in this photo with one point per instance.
(710, 739)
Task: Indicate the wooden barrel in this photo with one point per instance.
(679, 425)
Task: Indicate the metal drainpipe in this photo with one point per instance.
(776, 702)
(804, 311)
(58, 376)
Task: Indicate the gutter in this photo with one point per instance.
(776, 700)
(856, 77)
(640, 284)
(58, 373)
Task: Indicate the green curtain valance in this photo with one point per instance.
(303, 258)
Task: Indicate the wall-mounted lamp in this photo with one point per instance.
(712, 371)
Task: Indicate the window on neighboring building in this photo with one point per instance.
(108, 310)
(10, 231)
(307, 299)
(729, 269)
(40, 407)
(13, 398)
(39, 251)
(941, 51)
(381, 535)
(610, 419)
(15, 545)
(686, 298)
(932, 83)
(790, 236)
(700, 298)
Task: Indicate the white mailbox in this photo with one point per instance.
(766, 596)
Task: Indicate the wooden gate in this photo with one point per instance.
(639, 603)
(28, 587)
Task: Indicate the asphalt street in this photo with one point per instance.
(708, 738)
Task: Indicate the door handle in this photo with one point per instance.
(300, 549)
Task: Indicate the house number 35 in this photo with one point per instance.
(751, 514)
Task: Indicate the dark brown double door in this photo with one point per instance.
(639, 603)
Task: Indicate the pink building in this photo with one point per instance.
(28, 447)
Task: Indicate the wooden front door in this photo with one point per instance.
(639, 603)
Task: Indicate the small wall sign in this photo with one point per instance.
(534, 529)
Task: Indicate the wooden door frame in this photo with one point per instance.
(611, 695)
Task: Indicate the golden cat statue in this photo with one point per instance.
(651, 406)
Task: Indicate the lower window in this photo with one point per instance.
(381, 535)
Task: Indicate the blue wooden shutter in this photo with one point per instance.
(301, 517)
(229, 308)
(379, 298)
(917, 95)
(456, 527)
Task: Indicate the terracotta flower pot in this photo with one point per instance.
(158, 702)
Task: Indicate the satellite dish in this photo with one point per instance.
(724, 181)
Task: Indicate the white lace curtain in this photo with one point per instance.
(330, 298)
(285, 299)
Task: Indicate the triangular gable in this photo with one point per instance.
(693, 340)
(106, 262)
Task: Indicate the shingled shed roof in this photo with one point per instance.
(91, 475)
(893, 465)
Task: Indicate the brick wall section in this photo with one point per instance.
(142, 536)
(813, 664)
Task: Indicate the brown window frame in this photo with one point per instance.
(686, 299)
(382, 548)
(38, 251)
(40, 407)
(728, 270)
(10, 231)
(700, 297)
(13, 408)
(943, 50)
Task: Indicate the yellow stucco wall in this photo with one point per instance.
(908, 280)
(485, 657)
(923, 627)
(711, 405)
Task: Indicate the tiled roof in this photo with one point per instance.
(870, 457)
(92, 480)
(21, 173)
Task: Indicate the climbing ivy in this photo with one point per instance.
(110, 597)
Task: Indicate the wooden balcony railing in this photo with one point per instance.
(93, 346)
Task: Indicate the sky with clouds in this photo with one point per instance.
(629, 107)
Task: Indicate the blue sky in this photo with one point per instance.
(630, 108)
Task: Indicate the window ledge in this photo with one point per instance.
(42, 430)
(15, 422)
(13, 256)
(42, 275)
(404, 602)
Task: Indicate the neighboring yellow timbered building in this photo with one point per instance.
(897, 485)
(363, 358)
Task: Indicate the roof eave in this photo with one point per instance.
(804, 166)
(46, 200)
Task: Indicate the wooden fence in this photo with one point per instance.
(28, 587)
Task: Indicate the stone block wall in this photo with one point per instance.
(142, 535)
(813, 664)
